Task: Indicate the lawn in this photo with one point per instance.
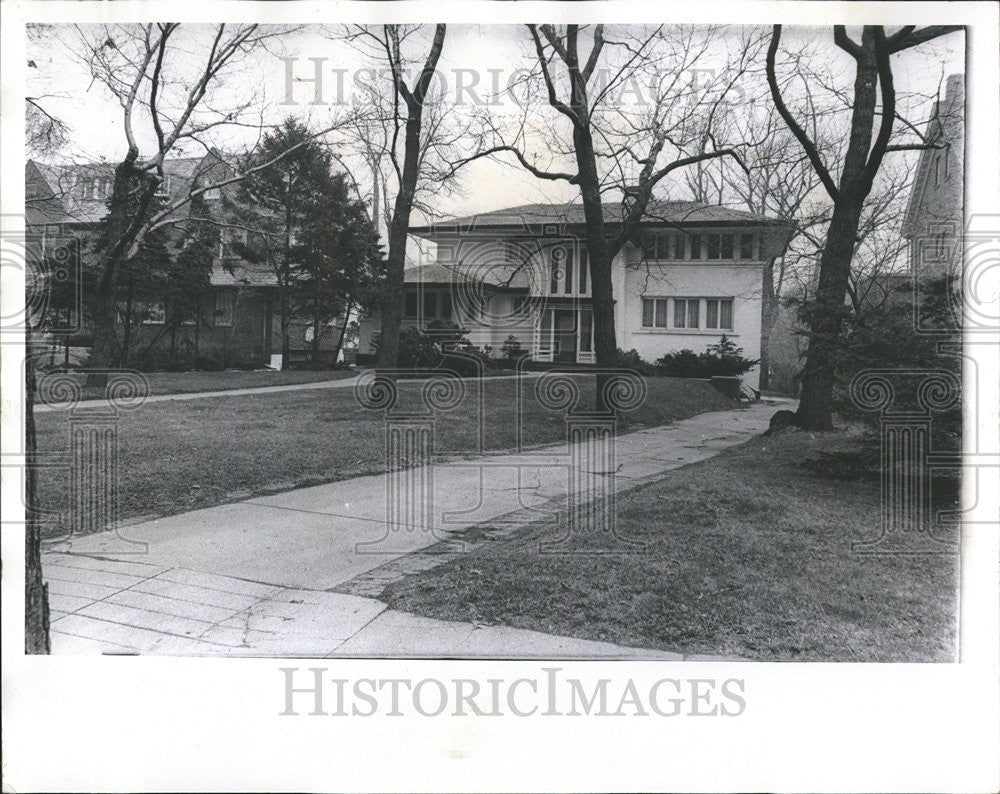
(189, 382)
(748, 554)
(177, 456)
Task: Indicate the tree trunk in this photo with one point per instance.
(392, 296)
(123, 228)
(601, 286)
(36, 592)
(825, 319)
(102, 352)
(825, 316)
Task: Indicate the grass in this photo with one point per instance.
(190, 382)
(177, 456)
(748, 554)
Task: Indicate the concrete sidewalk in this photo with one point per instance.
(340, 383)
(283, 548)
(109, 607)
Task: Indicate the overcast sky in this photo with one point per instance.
(475, 56)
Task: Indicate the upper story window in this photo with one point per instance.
(712, 246)
(163, 189)
(94, 188)
(568, 272)
(229, 242)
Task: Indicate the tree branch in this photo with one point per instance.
(793, 125)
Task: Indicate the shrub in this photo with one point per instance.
(446, 334)
(425, 349)
(632, 360)
(722, 358)
(417, 350)
(511, 349)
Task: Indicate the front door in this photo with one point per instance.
(565, 333)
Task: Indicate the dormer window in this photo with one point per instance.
(163, 189)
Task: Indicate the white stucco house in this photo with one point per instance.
(693, 273)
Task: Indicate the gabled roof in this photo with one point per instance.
(61, 182)
(512, 278)
(532, 218)
(946, 126)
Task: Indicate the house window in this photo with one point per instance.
(445, 305)
(163, 189)
(713, 241)
(156, 315)
(430, 305)
(719, 313)
(648, 243)
(212, 194)
(727, 246)
(225, 308)
(410, 303)
(228, 243)
(654, 312)
(746, 246)
(686, 312)
(584, 267)
(586, 331)
(695, 247)
(561, 280)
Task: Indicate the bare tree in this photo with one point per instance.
(179, 100)
(874, 97)
(615, 147)
(408, 131)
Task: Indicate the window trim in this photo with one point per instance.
(697, 305)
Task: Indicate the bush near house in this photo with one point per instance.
(442, 343)
(511, 350)
(633, 361)
(722, 358)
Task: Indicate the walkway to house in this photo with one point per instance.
(254, 577)
(342, 383)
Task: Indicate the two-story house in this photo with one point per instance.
(238, 320)
(693, 273)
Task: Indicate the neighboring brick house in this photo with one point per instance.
(238, 321)
(935, 218)
(694, 273)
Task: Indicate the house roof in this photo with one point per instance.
(503, 277)
(947, 125)
(530, 217)
(61, 181)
